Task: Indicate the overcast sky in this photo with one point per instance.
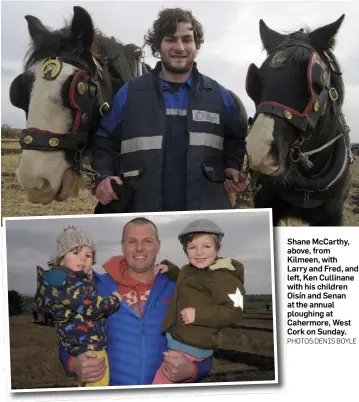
(30, 242)
(231, 38)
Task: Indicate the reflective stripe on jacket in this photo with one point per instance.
(172, 147)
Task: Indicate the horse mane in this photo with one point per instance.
(114, 52)
(242, 110)
(106, 50)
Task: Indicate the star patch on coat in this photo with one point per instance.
(237, 298)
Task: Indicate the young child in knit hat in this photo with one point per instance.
(208, 296)
(68, 291)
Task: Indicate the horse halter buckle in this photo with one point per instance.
(333, 94)
(104, 109)
(294, 154)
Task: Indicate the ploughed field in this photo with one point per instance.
(14, 202)
(13, 199)
(35, 364)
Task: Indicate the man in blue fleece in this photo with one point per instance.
(175, 135)
(136, 345)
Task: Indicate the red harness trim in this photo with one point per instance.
(304, 114)
(315, 58)
(72, 98)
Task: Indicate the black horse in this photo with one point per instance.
(69, 79)
(298, 145)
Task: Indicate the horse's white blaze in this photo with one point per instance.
(46, 110)
(258, 144)
(40, 172)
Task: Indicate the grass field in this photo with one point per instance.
(14, 202)
(35, 364)
(34, 356)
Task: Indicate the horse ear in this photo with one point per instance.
(82, 27)
(270, 39)
(37, 29)
(324, 38)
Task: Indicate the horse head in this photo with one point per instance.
(298, 93)
(69, 79)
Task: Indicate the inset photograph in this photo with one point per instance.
(161, 299)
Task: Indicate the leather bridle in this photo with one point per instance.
(86, 100)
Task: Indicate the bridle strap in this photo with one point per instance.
(307, 122)
(140, 61)
(33, 138)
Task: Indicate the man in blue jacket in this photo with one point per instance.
(174, 134)
(136, 346)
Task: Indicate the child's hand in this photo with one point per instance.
(161, 268)
(188, 315)
(115, 293)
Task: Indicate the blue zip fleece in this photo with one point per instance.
(136, 346)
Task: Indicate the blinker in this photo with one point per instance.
(20, 89)
(253, 83)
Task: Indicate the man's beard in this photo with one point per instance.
(176, 70)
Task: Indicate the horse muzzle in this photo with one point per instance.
(267, 167)
(46, 176)
(44, 194)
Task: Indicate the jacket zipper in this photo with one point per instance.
(142, 342)
(142, 332)
(142, 335)
(146, 307)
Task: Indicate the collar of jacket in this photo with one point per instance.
(67, 270)
(194, 81)
(222, 263)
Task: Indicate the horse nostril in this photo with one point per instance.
(275, 166)
(44, 184)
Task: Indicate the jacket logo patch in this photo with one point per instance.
(203, 115)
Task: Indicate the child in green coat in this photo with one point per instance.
(208, 295)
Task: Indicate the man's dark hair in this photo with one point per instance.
(140, 221)
(166, 24)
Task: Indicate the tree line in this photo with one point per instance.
(16, 303)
